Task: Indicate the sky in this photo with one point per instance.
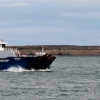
(50, 22)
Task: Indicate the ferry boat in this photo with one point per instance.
(11, 57)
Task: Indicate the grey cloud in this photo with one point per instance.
(60, 2)
(18, 4)
(92, 15)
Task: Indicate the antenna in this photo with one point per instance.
(42, 49)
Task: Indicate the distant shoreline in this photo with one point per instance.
(61, 50)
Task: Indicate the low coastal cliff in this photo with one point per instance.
(64, 50)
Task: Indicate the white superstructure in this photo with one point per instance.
(2, 45)
(40, 53)
(7, 52)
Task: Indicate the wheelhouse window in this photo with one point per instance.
(3, 45)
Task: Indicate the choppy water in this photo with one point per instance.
(70, 78)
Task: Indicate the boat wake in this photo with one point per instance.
(20, 69)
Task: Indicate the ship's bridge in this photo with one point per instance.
(7, 52)
(2, 45)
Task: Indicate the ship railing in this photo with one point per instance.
(10, 49)
(28, 55)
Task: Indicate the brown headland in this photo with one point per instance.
(60, 50)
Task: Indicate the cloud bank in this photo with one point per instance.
(73, 22)
(19, 4)
(81, 3)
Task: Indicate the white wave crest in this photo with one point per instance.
(20, 69)
(15, 69)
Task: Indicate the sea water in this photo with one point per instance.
(70, 78)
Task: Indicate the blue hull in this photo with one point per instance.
(41, 62)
